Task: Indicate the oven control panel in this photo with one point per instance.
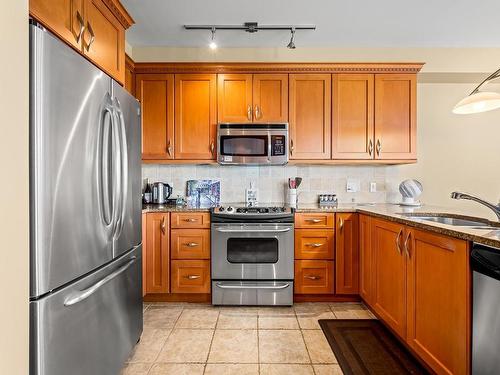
(252, 210)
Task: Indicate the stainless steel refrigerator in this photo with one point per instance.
(85, 192)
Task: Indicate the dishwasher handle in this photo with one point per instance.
(486, 260)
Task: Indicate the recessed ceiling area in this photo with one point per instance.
(354, 23)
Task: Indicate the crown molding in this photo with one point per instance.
(120, 13)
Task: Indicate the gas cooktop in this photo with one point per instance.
(241, 210)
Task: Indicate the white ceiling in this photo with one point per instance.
(340, 23)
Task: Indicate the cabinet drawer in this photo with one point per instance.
(314, 220)
(190, 276)
(314, 277)
(190, 220)
(314, 244)
(190, 243)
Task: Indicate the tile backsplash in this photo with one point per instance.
(272, 181)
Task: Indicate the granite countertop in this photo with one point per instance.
(397, 213)
(392, 212)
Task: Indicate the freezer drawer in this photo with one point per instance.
(259, 293)
(90, 326)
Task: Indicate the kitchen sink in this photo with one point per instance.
(453, 220)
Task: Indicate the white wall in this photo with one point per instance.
(14, 230)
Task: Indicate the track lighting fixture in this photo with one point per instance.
(252, 27)
(212, 44)
(291, 45)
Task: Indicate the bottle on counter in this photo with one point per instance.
(148, 193)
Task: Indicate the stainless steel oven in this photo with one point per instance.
(252, 144)
(252, 256)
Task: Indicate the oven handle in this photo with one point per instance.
(222, 286)
(253, 230)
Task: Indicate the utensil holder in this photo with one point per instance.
(292, 197)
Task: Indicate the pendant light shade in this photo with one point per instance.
(478, 102)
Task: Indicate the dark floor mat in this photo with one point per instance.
(365, 346)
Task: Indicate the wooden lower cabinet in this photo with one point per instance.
(314, 277)
(438, 301)
(157, 255)
(190, 276)
(346, 254)
(322, 220)
(366, 278)
(314, 244)
(190, 243)
(389, 268)
(190, 220)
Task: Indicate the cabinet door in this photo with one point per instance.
(314, 220)
(270, 97)
(190, 276)
(347, 254)
(63, 17)
(234, 98)
(439, 301)
(157, 253)
(389, 299)
(314, 277)
(395, 116)
(352, 116)
(310, 112)
(366, 270)
(104, 39)
(314, 244)
(190, 243)
(195, 116)
(156, 94)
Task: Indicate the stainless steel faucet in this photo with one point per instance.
(495, 208)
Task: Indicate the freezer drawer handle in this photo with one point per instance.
(222, 286)
(84, 294)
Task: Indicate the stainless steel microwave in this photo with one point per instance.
(252, 144)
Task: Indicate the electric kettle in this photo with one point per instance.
(161, 192)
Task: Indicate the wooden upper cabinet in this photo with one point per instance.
(195, 116)
(234, 98)
(439, 301)
(366, 273)
(157, 254)
(104, 39)
(347, 254)
(63, 17)
(156, 95)
(389, 295)
(395, 116)
(129, 75)
(270, 97)
(309, 113)
(352, 116)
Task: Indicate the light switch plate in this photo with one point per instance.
(373, 187)
(353, 185)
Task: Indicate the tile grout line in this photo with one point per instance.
(211, 341)
(304, 340)
(258, 344)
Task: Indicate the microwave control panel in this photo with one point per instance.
(277, 145)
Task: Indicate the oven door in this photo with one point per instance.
(263, 251)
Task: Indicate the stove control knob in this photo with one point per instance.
(230, 209)
(221, 209)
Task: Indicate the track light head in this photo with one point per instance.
(291, 45)
(212, 44)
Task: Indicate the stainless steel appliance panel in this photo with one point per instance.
(90, 326)
(128, 215)
(252, 251)
(261, 293)
(70, 175)
(485, 263)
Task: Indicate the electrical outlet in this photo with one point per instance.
(353, 185)
(373, 187)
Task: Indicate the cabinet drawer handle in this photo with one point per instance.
(192, 277)
(257, 112)
(314, 244)
(192, 244)
(212, 148)
(370, 148)
(92, 36)
(291, 147)
(249, 112)
(407, 248)
(169, 148)
(313, 277)
(379, 147)
(163, 226)
(398, 238)
(314, 220)
(190, 220)
(341, 224)
(82, 26)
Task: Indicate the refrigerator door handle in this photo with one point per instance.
(123, 160)
(103, 171)
(117, 173)
(75, 298)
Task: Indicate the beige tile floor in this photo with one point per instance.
(196, 339)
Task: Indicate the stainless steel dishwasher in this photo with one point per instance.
(485, 262)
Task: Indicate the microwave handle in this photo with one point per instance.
(269, 148)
